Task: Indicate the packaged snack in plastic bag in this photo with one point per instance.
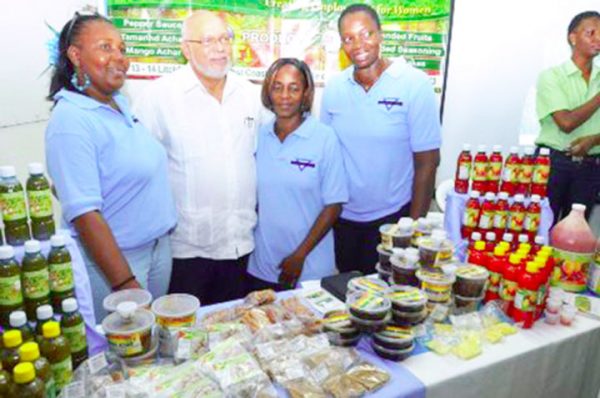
(219, 332)
(190, 343)
(370, 377)
(261, 297)
(271, 350)
(271, 332)
(341, 386)
(328, 362)
(469, 345)
(294, 305)
(303, 388)
(255, 319)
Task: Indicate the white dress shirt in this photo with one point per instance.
(212, 170)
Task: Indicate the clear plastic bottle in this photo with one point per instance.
(18, 321)
(34, 278)
(11, 297)
(27, 384)
(14, 209)
(73, 329)
(39, 198)
(55, 348)
(60, 271)
(30, 352)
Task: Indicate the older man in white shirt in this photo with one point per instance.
(207, 117)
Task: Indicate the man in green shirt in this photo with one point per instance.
(568, 107)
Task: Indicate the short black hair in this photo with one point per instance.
(354, 8)
(302, 68)
(579, 18)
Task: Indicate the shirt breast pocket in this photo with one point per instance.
(395, 115)
(303, 172)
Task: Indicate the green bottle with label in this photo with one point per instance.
(44, 313)
(60, 271)
(30, 352)
(18, 321)
(27, 385)
(39, 198)
(56, 349)
(7, 387)
(73, 328)
(11, 297)
(13, 207)
(34, 278)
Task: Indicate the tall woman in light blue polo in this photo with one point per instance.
(301, 184)
(110, 173)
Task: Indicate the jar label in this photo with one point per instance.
(61, 277)
(76, 336)
(541, 174)
(62, 372)
(13, 206)
(177, 322)
(50, 387)
(525, 300)
(485, 221)
(126, 345)
(571, 269)
(10, 290)
(410, 296)
(40, 203)
(368, 301)
(508, 289)
(35, 284)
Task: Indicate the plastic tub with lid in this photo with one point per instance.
(141, 297)
(470, 280)
(392, 355)
(368, 306)
(129, 330)
(435, 250)
(366, 284)
(404, 270)
(397, 235)
(406, 298)
(437, 286)
(384, 255)
(394, 338)
(175, 311)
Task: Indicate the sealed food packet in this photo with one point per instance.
(303, 388)
(190, 343)
(256, 319)
(342, 386)
(370, 377)
(220, 332)
(261, 297)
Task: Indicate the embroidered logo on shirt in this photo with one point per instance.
(390, 102)
(303, 163)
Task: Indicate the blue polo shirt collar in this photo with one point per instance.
(394, 70)
(86, 102)
(305, 130)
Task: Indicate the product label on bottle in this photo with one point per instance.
(76, 337)
(541, 294)
(494, 282)
(500, 219)
(35, 284)
(516, 221)
(10, 290)
(464, 170)
(594, 279)
(532, 222)
(508, 289)
(480, 172)
(50, 387)
(61, 277)
(470, 217)
(526, 173)
(571, 269)
(13, 206)
(494, 171)
(62, 372)
(541, 174)
(40, 203)
(525, 300)
(510, 173)
(485, 221)
(126, 345)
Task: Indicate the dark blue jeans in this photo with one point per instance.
(572, 182)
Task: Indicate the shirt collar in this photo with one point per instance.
(304, 130)
(570, 68)
(190, 81)
(85, 102)
(394, 70)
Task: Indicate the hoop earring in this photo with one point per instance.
(86, 82)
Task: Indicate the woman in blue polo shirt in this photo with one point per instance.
(110, 174)
(301, 184)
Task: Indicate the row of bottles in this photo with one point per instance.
(517, 175)
(37, 281)
(15, 208)
(499, 216)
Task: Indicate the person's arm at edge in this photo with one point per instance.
(569, 120)
(426, 164)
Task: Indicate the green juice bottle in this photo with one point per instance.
(11, 298)
(73, 329)
(34, 278)
(12, 204)
(18, 321)
(60, 270)
(27, 385)
(7, 388)
(44, 313)
(56, 349)
(10, 354)
(30, 352)
(39, 198)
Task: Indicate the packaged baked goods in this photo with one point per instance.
(341, 386)
(261, 297)
(220, 332)
(329, 362)
(370, 377)
(255, 319)
(190, 343)
(303, 388)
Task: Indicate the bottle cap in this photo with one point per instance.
(126, 309)
(35, 168)
(29, 352)
(44, 312)
(503, 195)
(504, 245)
(514, 149)
(8, 171)
(490, 196)
(535, 198)
(531, 267)
(32, 246)
(69, 305)
(539, 240)
(519, 197)
(12, 338)
(529, 150)
(475, 236)
(466, 147)
(51, 329)
(508, 237)
(524, 245)
(547, 248)
(578, 207)
(545, 151)
(481, 148)
(489, 236)
(523, 238)
(474, 195)
(57, 240)
(6, 252)
(499, 251)
(17, 319)
(24, 373)
(480, 245)
(497, 148)
(514, 259)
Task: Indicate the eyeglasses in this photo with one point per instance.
(210, 42)
(365, 35)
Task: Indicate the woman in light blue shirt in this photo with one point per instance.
(301, 184)
(110, 174)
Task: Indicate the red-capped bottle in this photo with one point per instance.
(526, 297)
(495, 268)
(533, 215)
(541, 173)
(526, 174)
(511, 171)
(509, 283)
(463, 170)
(478, 255)
(516, 216)
(471, 215)
(488, 211)
(480, 170)
(501, 214)
(495, 169)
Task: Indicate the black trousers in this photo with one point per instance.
(572, 182)
(356, 242)
(253, 283)
(211, 281)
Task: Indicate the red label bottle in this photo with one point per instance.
(488, 211)
(475, 236)
(495, 268)
(516, 215)
(510, 283)
(490, 242)
(471, 215)
(533, 215)
(463, 170)
(478, 255)
(541, 173)
(526, 174)
(480, 170)
(501, 214)
(509, 238)
(526, 296)
(495, 169)
(511, 171)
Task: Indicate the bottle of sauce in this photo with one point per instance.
(60, 272)
(44, 313)
(516, 215)
(7, 388)
(56, 349)
(73, 329)
(480, 170)
(533, 215)
(12, 204)
(490, 242)
(10, 354)
(27, 385)
(501, 214)
(526, 175)
(18, 321)
(488, 211)
(11, 297)
(30, 352)
(478, 256)
(574, 245)
(526, 297)
(471, 215)
(509, 238)
(511, 172)
(463, 170)
(541, 173)
(39, 197)
(34, 278)
(495, 268)
(475, 236)
(538, 242)
(509, 283)
(495, 169)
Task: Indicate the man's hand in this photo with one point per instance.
(291, 269)
(582, 145)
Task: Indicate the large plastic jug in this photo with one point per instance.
(574, 246)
